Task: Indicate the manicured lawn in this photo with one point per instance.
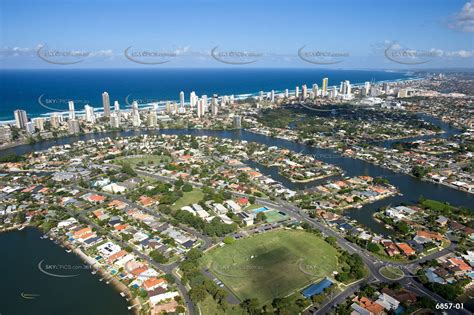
(145, 159)
(272, 264)
(188, 198)
(437, 205)
(392, 273)
(209, 306)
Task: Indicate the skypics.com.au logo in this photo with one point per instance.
(149, 57)
(234, 57)
(321, 57)
(405, 56)
(61, 57)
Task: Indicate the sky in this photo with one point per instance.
(339, 34)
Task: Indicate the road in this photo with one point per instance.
(373, 263)
(166, 268)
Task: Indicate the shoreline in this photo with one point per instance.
(426, 179)
(116, 284)
(342, 154)
(407, 76)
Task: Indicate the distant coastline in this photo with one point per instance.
(26, 89)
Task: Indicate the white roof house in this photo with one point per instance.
(219, 208)
(67, 222)
(108, 249)
(114, 188)
(388, 302)
(189, 209)
(234, 207)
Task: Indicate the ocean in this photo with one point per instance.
(41, 92)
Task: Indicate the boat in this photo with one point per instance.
(29, 296)
(21, 228)
(68, 250)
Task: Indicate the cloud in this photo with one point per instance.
(102, 53)
(464, 20)
(16, 51)
(460, 53)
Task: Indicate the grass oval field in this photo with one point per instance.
(272, 264)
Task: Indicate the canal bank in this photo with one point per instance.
(410, 187)
(25, 289)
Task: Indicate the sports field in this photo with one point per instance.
(145, 159)
(272, 264)
(188, 198)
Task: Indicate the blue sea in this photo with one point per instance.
(41, 92)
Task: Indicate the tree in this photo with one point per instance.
(229, 240)
(251, 306)
(261, 217)
(194, 254)
(127, 169)
(318, 298)
(331, 240)
(374, 248)
(187, 188)
(198, 293)
(169, 278)
(158, 257)
(419, 171)
(220, 295)
(402, 227)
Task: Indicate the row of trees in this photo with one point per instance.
(201, 286)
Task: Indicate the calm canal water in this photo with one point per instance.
(410, 187)
(44, 294)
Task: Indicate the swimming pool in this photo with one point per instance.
(261, 209)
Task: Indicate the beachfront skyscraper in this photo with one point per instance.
(304, 91)
(136, 121)
(38, 123)
(325, 86)
(201, 107)
(115, 120)
(56, 120)
(193, 99)
(73, 126)
(106, 104)
(315, 90)
(366, 88)
(72, 111)
(204, 102)
(152, 118)
(116, 106)
(346, 88)
(21, 119)
(181, 99)
(89, 110)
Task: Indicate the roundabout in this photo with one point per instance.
(392, 273)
